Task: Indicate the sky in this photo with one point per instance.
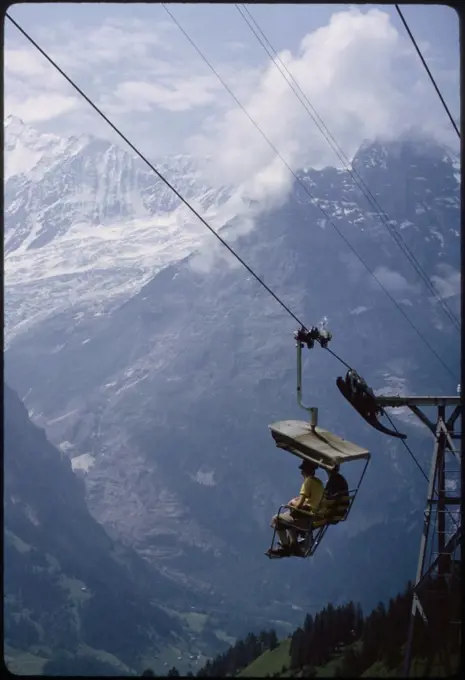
(355, 64)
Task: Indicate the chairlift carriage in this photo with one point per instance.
(311, 443)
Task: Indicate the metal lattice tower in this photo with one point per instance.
(438, 570)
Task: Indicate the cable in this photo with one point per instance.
(274, 56)
(339, 358)
(415, 459)
(407, 446)
(183, 200)
(152, 167)
(341, 155)
(427, 70)
(107, 120)
(304, 186)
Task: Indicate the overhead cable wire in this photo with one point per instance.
(415, 460)
(406, 446)
(152, 167)
(170, 186)
(192, 209)
(308, 106)
(406, 26)
(308, 192)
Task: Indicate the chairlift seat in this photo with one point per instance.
(327, 450)
(311, 443)
(308, 539)
(315, 444)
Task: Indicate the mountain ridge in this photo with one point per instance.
(185, 368)
(49, 538)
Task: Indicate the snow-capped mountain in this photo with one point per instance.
(157, 367)
(87, 223)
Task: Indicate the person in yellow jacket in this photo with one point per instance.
(309, 499)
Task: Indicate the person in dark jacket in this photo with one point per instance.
(336, 496)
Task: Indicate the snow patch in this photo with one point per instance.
(205, 477)
(396, 385)
(61, 418)
(31, 514)
(83, 462)
(20, 160)
(66, 446)
(438, 235)
(405, 224)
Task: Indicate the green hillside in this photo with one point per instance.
(339, 641)
(277, 663)
(269, 662)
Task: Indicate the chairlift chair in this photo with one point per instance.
(327, 450)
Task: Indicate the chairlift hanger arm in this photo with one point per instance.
(308, 337)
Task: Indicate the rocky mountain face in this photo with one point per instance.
(68, 586)
(156, 364)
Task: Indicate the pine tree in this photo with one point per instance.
(297, 648)
(358, 623)
(308, 625)
(273, 640)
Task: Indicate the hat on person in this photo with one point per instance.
(308, 466)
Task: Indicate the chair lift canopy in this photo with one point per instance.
(315, 444)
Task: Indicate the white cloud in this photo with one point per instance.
(41, 107)
(34, 91)
(357, 73)
(181, 95)
(131, 69)
(25, 62)
(107, 44)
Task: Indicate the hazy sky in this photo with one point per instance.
(355, 63)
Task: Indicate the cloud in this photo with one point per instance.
(111, 42)
(236, 46)
(41, 107)
(132, 69)
(181, 95)
(25, 62)
(34, 90)
(357, 72)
